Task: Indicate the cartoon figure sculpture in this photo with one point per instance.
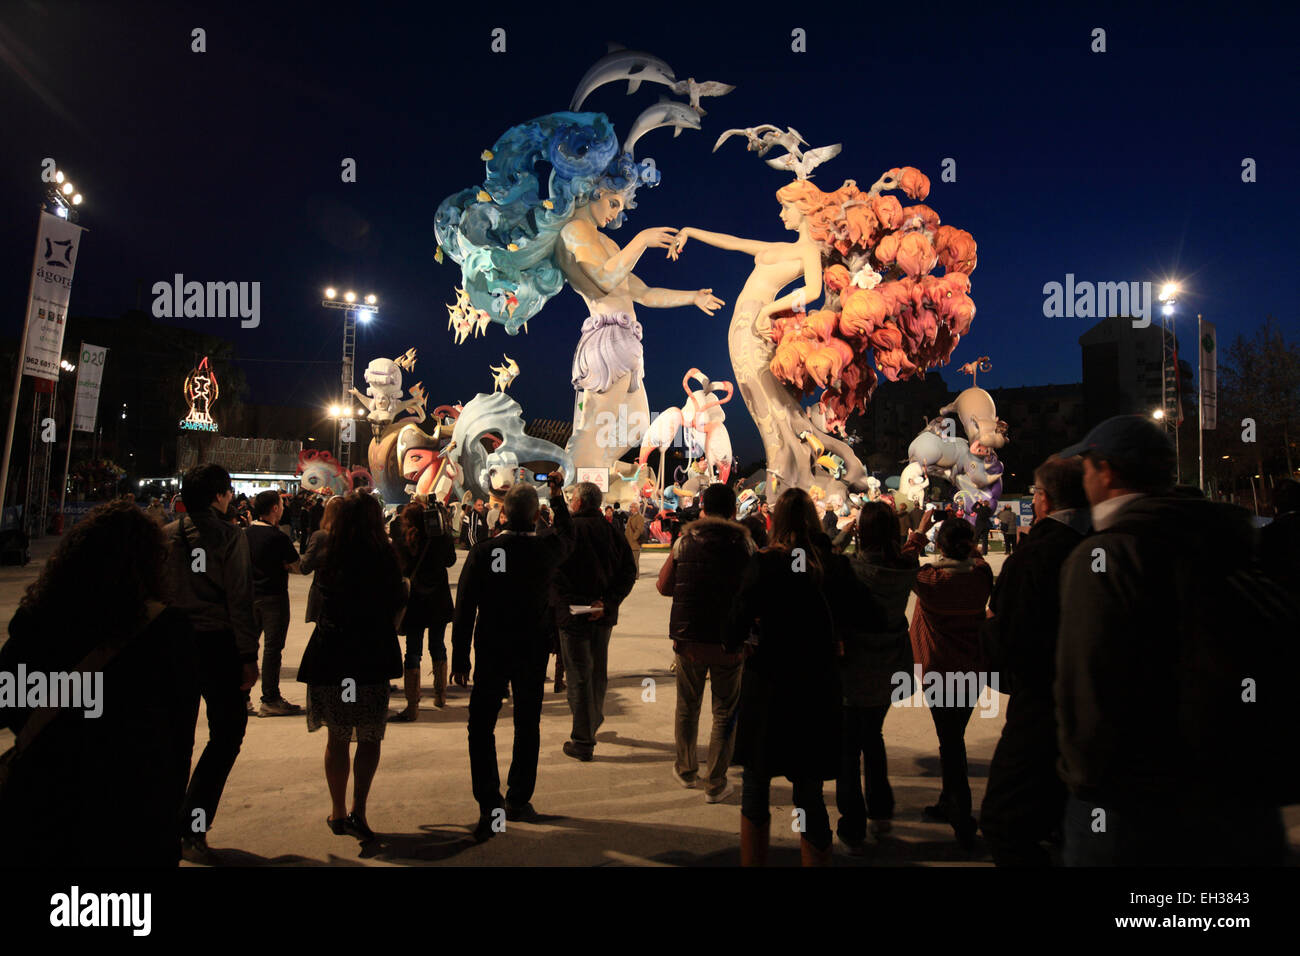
(513, 242)
(700, 419)
(503, 375)
(383, 399)
(498, 418)
(883, 309)
(971, 466)
(979, 417)
(321, 474)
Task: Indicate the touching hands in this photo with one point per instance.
(678, 244)
(660, 237)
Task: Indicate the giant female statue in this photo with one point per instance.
(517, 248)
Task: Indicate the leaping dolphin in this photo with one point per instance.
(664, 113)
(620, 64)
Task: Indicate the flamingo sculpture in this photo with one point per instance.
(700, 418)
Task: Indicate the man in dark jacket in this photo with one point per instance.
(702, 576)
(598, 574)
(1165, 671)
(1025, 799)
(210, 576)
(501, 603)
(273, 557)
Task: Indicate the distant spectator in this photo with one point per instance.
(425, 551)
(273, 557)
(599, 573)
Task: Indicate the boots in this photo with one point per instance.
(411, 687)
(439, 683)
(811, 856)
(753, 841)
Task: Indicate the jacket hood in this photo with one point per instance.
(1194, 525)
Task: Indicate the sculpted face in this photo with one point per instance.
(791, 217)
(606, 207)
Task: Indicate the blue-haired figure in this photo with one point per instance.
(517, 248)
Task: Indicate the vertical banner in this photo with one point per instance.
(56, 255)
(1209, 374)
(90, 370)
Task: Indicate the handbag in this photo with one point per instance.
(97, 660)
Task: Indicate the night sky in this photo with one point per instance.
(225, 165)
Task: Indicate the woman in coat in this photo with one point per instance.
(425, 551)
(951, 597)
(353, 653)
(314, 557)
(789, 715)
(875, 671)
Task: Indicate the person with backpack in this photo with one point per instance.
(210, 576)
(1174, 670)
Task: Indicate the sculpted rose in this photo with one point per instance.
(888, 211)
(915, 255)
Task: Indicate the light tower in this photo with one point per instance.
(1171, 395)
(353, 310)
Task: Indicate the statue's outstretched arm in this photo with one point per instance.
(364, 399)
(582, 241)
(655, 298)
(721, 240)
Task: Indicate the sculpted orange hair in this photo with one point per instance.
(823, 210)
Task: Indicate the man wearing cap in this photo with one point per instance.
(1166, 758)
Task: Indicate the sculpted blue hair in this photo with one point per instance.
(478, 233)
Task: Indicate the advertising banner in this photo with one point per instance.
(47, 312)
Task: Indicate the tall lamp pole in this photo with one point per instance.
(353, 311)
(1169, 371)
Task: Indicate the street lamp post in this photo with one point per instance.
(1169, 369)
(353, 311)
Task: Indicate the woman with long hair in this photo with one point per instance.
(425, 551)
(353, 653)
(314, 557)
(96, 608)
(789, 720)
(876, 660)
(952, 595)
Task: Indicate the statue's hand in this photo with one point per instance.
(707, 302)
(678, 245)
(660, 237)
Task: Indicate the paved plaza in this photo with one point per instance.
(624, 808)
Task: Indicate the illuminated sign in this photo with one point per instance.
(200, 392)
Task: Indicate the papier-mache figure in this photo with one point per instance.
(383, 399)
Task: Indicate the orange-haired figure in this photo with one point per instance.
(820, 224)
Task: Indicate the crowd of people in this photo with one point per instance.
(1137, 731)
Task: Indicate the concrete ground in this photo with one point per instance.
(622, 808)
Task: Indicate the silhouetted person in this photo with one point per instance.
(273, 557)
(96, 608)
(1174, 671)
(502, 599)
(210, 577)
(1025, 799)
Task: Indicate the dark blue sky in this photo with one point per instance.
(1122, 166)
